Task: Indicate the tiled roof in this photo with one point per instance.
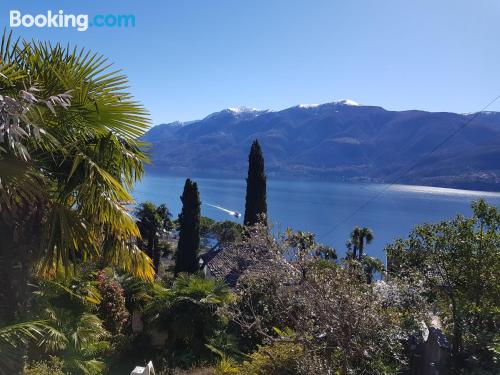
(230, 262)
(225, 264)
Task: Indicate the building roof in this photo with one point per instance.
(225, 264)
(230, 262)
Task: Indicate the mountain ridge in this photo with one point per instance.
(342, 141)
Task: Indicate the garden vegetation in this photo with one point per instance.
(89, 285)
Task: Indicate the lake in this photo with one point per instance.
(328, 209)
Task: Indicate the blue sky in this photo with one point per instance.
(188, 58)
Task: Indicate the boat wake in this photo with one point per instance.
(236, 214)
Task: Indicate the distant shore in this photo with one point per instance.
(480, 186)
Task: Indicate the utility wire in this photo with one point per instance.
(409, 169)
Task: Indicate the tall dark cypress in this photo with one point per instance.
(256, 203)
(189, 230)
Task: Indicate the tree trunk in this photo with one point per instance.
(151, 244)
(19, 242)
(15, 272)
(457, 343)
(156, 255)
(361, 249)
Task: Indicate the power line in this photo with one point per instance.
(409, 169)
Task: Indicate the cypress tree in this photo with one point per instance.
(189, 230)
(256, 203)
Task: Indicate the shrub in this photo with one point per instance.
(279, 358)
(226, 366)
(188, 314)
(53, 366)
(112, 307)
(334, 313)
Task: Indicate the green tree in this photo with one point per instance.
(153, 221)
(189, 230)
(360, 237)
(69, 156)
(256, 202)
(227, 231)
(459, 263)
(224, 232)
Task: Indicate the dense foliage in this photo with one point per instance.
(224, 232)
(69, 156)
(333, 313)
(53, 366)
(187, 314)
(79, 296)
(459, 263)
(112, 303)
(309, 314)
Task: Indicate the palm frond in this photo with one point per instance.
(19, 185)
(89, 331)
(124, 254)
(78, 131)
(14, 338)
(53, 340)
(21, 333)
(68, 238)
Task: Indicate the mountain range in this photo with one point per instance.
(341, 141)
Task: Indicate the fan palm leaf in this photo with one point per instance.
(76, 137)
(15, 337)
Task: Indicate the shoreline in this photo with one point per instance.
(476, 189)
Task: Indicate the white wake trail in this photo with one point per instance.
(232, 213)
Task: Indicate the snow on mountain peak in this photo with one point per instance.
(238, 112)
(348, 102)
(242, 110)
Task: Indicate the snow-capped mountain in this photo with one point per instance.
(341, 140)
(337, 103)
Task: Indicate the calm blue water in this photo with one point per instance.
(328, 209)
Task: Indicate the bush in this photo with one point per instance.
(334, 313)
(226, 366)
(188, 314)
(53, 366)
(112, 307)
(279, 358)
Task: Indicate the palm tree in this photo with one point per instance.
(360, 237)
(81, 342)
(69, 156)
(152, 222)
(352, 244)
(13, 338)
(187, 314)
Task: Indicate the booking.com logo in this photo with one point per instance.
(80, 22)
